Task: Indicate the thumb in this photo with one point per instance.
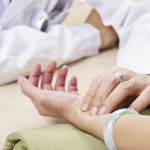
(29, 90)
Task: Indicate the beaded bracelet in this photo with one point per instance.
(109, 125)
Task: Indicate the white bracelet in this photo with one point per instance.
(109, 125)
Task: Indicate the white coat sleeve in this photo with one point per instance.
(134, 47)
(134, 51)
(21, 47)
(131, 21)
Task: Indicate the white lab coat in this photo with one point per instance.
(131, 21)
(22, 45)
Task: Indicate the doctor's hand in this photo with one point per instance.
(53, 102)
(107, 93)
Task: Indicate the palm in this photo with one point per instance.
(52, 101)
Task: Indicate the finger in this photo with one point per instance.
(108, 84)
(90, 95)
(61, 79)
(142, 101)
(121, 92)
(35, 74)
(29, 90)
(48, 76)
(73, 88)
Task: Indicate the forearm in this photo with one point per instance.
(129, 130)
(108, 34)
(132, 132)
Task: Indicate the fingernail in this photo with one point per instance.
(85, 107)
(94, 111)
(102, 111)
(64, 66)
(20, 80)
(132, 108)
(52, 61)
(35, 64)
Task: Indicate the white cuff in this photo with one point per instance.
(93, 39)
(138, 67)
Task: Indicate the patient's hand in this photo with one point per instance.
(54, 102)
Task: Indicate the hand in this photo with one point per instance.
(48, 102)
(106, 93)
(58, 103)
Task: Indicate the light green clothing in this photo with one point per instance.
(55, 137)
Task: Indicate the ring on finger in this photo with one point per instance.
(120, 76)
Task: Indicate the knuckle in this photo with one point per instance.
(114, 68)
(99, 98)
(98, 101)
(110, 79)
(89, 97)
(126, 86)
(96, 80)
(129, 72)
(111, 99)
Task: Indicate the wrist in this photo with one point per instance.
(75, 116)
(93, 125)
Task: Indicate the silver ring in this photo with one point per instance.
(120, 76)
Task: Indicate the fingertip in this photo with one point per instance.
(37, 64)
(85, 107)
(63, 71)
(51, 66)
(73, 81)
(53, 62)
(102, 111)
(65, 67)
(74, 77)
(36, 69)
(132, 108)
(94, 111)
(20, 79)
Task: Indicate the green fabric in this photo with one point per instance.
(145, 112)
(56, 137)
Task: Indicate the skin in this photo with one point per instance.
(108, 34)
(107, 94)
(59, 104)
